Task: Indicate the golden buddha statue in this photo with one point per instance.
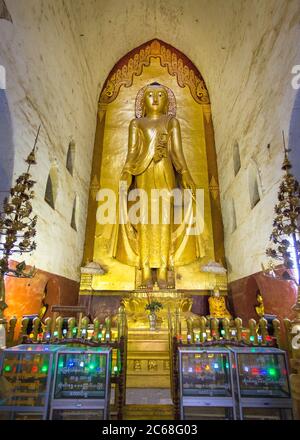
(155, 161)
(259, 307)
(217, 306)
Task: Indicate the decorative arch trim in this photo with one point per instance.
(172, 59)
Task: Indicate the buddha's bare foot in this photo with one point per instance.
(162, 277)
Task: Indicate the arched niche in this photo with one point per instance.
(6, 147)
(150, 62)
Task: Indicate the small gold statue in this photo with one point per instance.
(259, 308)
(217, 305)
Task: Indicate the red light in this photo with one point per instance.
(34, 369)
(268, 338)
(284, 372)
(255, 371)
(198, 369)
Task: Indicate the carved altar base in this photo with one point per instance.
(148, 357)
(172, 300)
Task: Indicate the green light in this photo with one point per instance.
(7, 368)
(252, 338)
(91, 366)
(44, 368)
(74, 331)
(272, 372)
(115, 369)
(227, 365)
(55, 333)
(222, 332)
(61, 364)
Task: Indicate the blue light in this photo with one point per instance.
(70, 364)
(216, 366)
(263, 372)
(246, 369)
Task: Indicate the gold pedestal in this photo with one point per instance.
(148, 354)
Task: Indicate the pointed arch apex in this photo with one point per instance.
(132, 64)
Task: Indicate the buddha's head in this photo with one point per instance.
(155, 100)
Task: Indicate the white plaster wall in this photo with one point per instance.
(48, 82)
(58, 54)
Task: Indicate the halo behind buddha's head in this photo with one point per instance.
(139, 101)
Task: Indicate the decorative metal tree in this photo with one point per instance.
(285, 237)
(17, 228)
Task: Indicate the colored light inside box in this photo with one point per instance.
(61, 364)
(70, 364)
(207, 367)
(227, 365)
(7, 368)
(55, 333)
(91, 367)
(272, 372)
(216, 366)
(198, 370)
(115, 369)
(65, 331)
(263, 372)
(190, 369)
(81, 364)
(246, 369)
(259, 338)
(34, 369)
(252, 338)
(44, 369)
(268, 338)
(284, 372)
(255, 372)
(222, 332)
(74, 331)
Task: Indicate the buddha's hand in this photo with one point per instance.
(125, 180)
(188, 183)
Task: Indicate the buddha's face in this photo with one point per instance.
(155, 100)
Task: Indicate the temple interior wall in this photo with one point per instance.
(57, 56)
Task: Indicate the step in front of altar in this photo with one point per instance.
(148, 360)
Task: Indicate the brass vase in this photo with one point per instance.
(152, 321)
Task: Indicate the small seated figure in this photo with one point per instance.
(217, 305)
(259, 307)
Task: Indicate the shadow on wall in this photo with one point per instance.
(6, 147)
(294, 137)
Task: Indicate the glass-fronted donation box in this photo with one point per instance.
(25, 381)
(54, 381)
(206, 384)
(234, 383)
(81, 388)
(262, 383)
